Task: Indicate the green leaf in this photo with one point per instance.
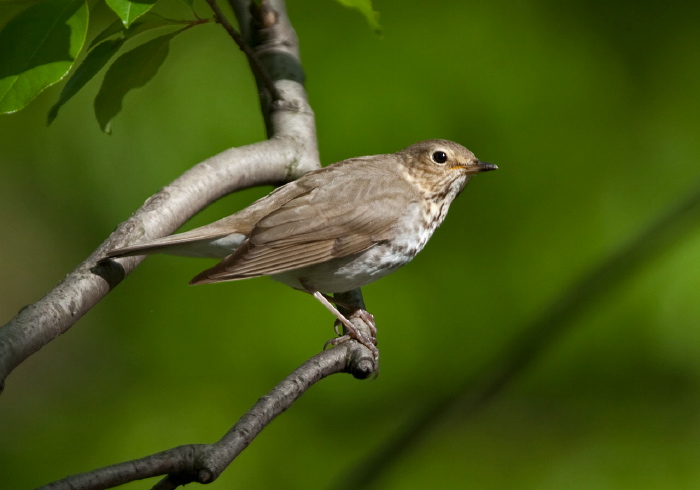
(131, 70)
(10, 8)
(129, 11)
(116, 27)
(38, 48)
(365, 8)
(152, 21)
(104, 50)
(145, 23)
(93, 63)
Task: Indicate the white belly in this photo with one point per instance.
(348, 273)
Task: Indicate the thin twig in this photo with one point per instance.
(253, 59)
(203, 463)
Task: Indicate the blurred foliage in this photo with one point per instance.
(591, 111)
(367, 10)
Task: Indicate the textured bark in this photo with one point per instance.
(289, 152)
(203, 463)
(270, 43)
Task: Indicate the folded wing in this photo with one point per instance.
(327, 222)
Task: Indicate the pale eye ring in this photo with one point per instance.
(439, 157)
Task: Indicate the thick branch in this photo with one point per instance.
(203, 463)
(290, 152)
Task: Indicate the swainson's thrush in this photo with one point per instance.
(334, 229)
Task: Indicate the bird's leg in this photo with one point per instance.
(365, 315)
(352, 332)
(338, 324)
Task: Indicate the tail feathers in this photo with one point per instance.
(184, 244)
(217, 274)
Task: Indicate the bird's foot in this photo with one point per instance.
(368, 320)
(351, 331)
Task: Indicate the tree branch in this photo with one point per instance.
(290, 152)
(203, 463)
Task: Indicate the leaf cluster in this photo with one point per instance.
(42, 41)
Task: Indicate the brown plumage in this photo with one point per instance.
(334, 229)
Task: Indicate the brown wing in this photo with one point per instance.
(202, 241)
(330, 221)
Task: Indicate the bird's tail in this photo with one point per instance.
(188, 244)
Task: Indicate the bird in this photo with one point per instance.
(334, 229)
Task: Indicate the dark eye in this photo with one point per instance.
(439, 157)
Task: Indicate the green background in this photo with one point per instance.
(591, 109)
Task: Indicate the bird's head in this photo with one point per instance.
(440, 167)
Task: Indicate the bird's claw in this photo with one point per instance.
(368, 318)
(369, 341)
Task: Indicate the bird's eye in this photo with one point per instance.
(439, 157)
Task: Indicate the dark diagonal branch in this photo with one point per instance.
(290, 152)
(535, 339)
(203, 463)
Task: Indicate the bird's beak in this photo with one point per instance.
(481, 167)
(484, 166)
